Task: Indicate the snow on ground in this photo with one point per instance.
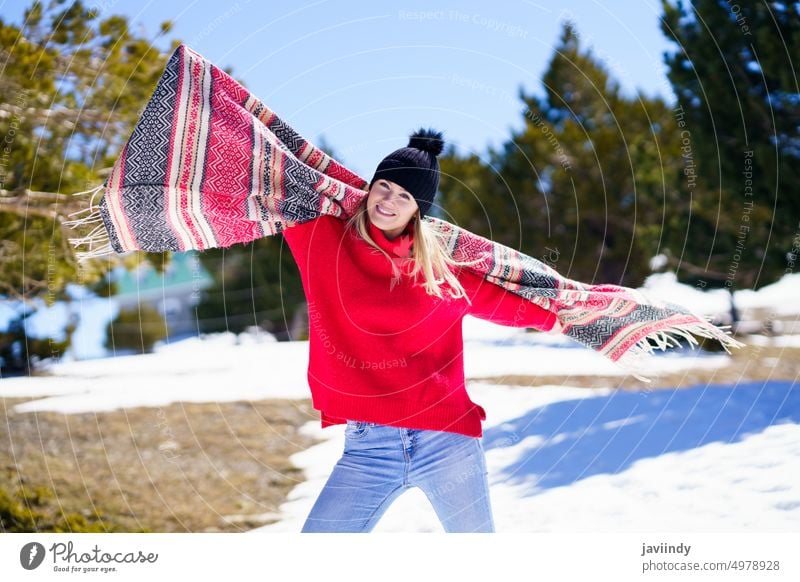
(226, 367)
(561, 457)
(193, 370)
(780, 296)
(94, 313)
(781, 341)
(492, 350)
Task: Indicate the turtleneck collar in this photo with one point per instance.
(400, 246)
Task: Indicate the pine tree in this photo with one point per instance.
(581, 185)
(733, 72)
(72, 87)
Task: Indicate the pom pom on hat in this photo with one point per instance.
(428, 140)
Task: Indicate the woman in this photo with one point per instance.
(386, 304)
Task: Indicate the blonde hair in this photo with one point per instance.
(429, 254)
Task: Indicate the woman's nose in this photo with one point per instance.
(389, 197)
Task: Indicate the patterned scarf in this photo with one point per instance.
(209, 165)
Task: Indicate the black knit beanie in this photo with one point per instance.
(415, 167)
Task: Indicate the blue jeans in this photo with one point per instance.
(380, 462)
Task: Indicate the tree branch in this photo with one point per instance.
(26, 202)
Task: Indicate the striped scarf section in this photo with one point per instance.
(209, 165)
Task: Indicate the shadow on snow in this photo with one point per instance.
(576, 439)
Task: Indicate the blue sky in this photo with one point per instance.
(364, 75)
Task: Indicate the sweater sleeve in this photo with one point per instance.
(498, 305)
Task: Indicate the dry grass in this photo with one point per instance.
(185, 467)
(191, 467)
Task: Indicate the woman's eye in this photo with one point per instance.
(404, 195)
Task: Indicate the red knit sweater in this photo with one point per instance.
(382, 350)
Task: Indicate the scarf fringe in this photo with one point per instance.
(636, 359)
(93, 191)
(106, 250)
(97, 243)
(307, 184)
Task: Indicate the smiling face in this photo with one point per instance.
(390, 207)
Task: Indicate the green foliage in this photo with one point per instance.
(95, 523)
(580, 186)
(19, 352)
(733, 72)
(136, 330)
(257, 284)
(73, 84)
(35, 509)
(15, 515)
(32, 263)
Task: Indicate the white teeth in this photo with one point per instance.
(380, 210)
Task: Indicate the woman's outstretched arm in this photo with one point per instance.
(496, 304)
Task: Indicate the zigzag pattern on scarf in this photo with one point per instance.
(209, 165)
